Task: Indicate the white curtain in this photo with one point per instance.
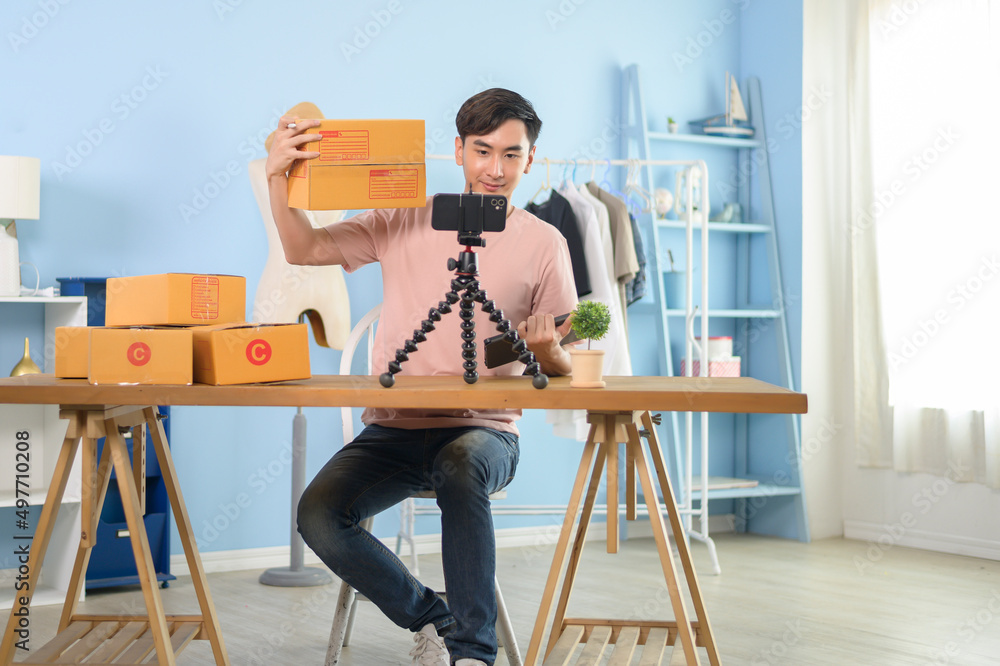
(925, 237)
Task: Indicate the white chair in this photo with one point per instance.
(347, 600)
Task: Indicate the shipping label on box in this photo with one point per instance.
(250, 353)
(362, 164)
(175, 299)
(721, 367)
(140, 356)
(72, 351)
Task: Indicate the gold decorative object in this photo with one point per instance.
(25, 366)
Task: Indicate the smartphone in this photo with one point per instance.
(501, 352)
(469, 213)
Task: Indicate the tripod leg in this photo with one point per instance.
(467, 311)
(532, 367)
(387, 379)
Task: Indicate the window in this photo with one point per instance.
(935, 125)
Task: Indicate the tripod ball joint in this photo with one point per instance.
(386, 379)
(540, 380)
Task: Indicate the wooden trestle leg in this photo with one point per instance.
(618, 639)
(122, 639)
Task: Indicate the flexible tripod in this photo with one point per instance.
(466, 273)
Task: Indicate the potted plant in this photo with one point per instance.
(671, 125)
(590, 322)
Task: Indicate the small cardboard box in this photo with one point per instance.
(717, 367)
(140, 356)
(175, 299)
(72, 351)
(250, 353)
(362, 164)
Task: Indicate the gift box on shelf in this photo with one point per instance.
(717, 367)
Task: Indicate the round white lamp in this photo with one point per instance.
(20, 179)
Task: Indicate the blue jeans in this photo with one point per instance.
(382, 467)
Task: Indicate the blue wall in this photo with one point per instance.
(145, 118)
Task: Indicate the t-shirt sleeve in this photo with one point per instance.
(362, 239)
(555, 292)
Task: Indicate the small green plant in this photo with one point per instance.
(591, 320)
(670, 120)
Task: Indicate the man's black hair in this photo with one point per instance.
(484, 112)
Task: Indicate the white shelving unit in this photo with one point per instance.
(753, 490)
(47, 434)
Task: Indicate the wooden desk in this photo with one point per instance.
(616, 414)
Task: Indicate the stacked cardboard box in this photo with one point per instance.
(180, 328)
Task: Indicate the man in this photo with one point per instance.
(463, 455)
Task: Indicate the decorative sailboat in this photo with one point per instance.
(732, 123)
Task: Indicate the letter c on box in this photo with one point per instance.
(258, 352)
(138, 353)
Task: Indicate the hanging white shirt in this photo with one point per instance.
(572, 424)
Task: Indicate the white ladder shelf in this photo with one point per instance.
(754, 491)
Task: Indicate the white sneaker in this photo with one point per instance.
(470, 662)
(430, 649)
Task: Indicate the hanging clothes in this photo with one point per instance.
(604, 227)
(558, 212)
(636, 288)
(626, 263)
(615, 343)
(573, 424)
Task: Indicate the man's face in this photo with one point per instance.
(495, 162)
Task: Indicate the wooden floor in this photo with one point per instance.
(776, 602)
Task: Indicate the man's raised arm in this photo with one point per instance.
(303, 244)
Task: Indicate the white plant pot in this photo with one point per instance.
(588, 368)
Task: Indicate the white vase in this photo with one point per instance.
(588, 368)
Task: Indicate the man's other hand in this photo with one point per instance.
(543, 337)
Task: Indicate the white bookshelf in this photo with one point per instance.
(47, 432)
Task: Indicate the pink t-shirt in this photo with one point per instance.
(525, 269)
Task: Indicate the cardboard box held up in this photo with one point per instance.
(140, 356)
(175, 299)
(362, 164)
(249, 353)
